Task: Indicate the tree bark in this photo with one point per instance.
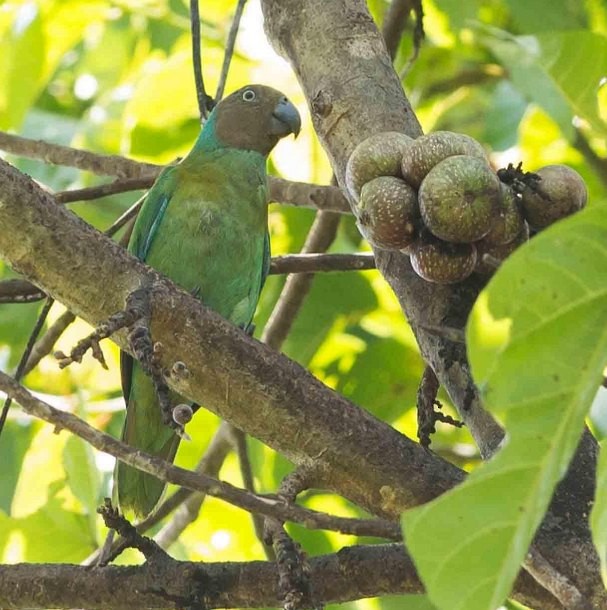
(351, 573)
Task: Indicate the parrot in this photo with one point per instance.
(203, 224)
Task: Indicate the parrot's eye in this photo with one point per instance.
(248, 95)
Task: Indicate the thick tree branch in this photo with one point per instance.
(351, 573)
(245, 382)
(354, 93)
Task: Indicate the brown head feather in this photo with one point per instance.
(254, 118)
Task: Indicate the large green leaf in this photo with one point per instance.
(598, 517)
(537, 341)
(560, 71)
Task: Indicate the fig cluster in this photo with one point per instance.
(437, 199)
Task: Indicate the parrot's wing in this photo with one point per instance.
(150, 215)
(126, 373)
(267, 255)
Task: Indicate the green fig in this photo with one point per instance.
(442, 262)
(459, 198)
(379, 155)
(427, 151)
(491, 255)
(560, 193)
(508, 221)
(387, 213)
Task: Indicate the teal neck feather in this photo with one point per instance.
(207, 139)
(208, 142)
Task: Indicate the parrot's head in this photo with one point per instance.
(253, 118)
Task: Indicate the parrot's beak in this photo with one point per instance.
(285, 119)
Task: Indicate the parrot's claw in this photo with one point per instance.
(181, 433)
(121, 319)
(179, 371)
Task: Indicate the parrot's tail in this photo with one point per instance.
(136, 491)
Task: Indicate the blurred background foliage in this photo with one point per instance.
(524, 77)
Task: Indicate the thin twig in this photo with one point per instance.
(22, 291)
(314, 262)
(190, 505)
(19, 291)
(185, 501)
(555, 582)
(229, 52)
(594, 160)
(280, 190)
(475, 76)
(25, 356)
(122, 185)
(418, 37)
(169, 473)
(56, 154)
(201, 94)
(44, 346)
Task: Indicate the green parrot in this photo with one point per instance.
(204, 225)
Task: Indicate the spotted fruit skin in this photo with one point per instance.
(429, 150)
(387, 213)
(508, 221)
(560, 193)
(499, 252)
(458, 199)
(379, 155)
(441, 262)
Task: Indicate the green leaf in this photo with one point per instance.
(332, 295)
(81, 471)
(554, 71)
(598, 517)
(504, 116)
(16, 438)
(22, 56)
(542, 321)
(544, 15)
(459, 13)
(383, 378)
(54, 534)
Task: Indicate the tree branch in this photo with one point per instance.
(134, 175)
(395, 22)
(201, 94)
(22, 291)
(315, 262)
(229, 52)
(196, 481)
(230, 372)
(351, 573)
